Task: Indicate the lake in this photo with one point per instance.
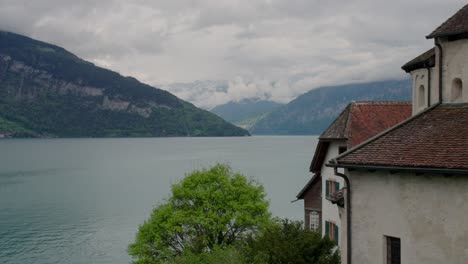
(81, 200)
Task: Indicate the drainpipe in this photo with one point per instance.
(437, 43)
(348, 213)
(428, 86)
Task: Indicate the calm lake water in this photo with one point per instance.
(81, 200)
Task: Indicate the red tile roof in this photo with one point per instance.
(436, 138)
(359, 122)
(362, 120)
(455, 25)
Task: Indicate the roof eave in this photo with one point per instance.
(319, 156)
(420, 65)
(446, 34)
(399, 168)
(314, 178)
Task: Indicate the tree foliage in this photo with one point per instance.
(209, 208)
(288, 242)
(225, 255)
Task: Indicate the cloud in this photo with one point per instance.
(273, 49)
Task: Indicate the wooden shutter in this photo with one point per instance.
(335, 233)
(337, 186)
(327, 229)
(327, 188)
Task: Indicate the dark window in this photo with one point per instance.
(342, 150)
(393, 250)
(331, 231)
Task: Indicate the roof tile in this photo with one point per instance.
(437, 138)
(455, 25)
(362, 120)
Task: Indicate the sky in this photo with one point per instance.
(212, 51)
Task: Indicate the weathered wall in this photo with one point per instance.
(313, 197)
(421, 78)
(455, 58)
(313, 202)
(331, 212)
(429, 213)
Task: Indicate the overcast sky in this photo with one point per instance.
(262, 48)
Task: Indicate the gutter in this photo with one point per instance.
(428, 86)
(348, 212)
(399, 168)
(441, 56)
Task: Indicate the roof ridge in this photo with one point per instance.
(381, 102)
(381, 134)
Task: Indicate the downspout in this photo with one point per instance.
(348, 213)
(440, 68)
(428, 86)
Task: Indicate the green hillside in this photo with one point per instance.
(246, 112)
(312, 112)
(48, 91)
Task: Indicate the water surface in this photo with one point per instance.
(81, 200)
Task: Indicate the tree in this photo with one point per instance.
(287, 241)
(208, 208)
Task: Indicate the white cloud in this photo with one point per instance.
(273, 49)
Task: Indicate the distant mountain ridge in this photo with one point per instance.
(245, 112)
(48, 91)
(312, 112)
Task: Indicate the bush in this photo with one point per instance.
(287, 241)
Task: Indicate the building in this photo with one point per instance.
(407, 188)
(356, 123)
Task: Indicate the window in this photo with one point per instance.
(331, 231)
(421, 96)
(314, 221)
(457, 90)
(331, 187)
(342, 150)
(393, 250)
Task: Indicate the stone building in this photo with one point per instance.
(322, 195)
(406, 197)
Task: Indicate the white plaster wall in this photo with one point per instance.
(421, 77)
(455, 58)
(429, 213)
(330, 212)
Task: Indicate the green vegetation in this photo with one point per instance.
(218, 216)
(286, 241)
(51, 92)
(15, 129)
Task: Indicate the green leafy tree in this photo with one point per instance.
(209, 208)
(287, 241)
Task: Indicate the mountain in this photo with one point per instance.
(245, 112)
(312, 112)
(47, 91)
(205, 94)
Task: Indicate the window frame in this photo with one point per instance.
(317, 223)
(392, 250)
(331, 186)
(332, 231)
